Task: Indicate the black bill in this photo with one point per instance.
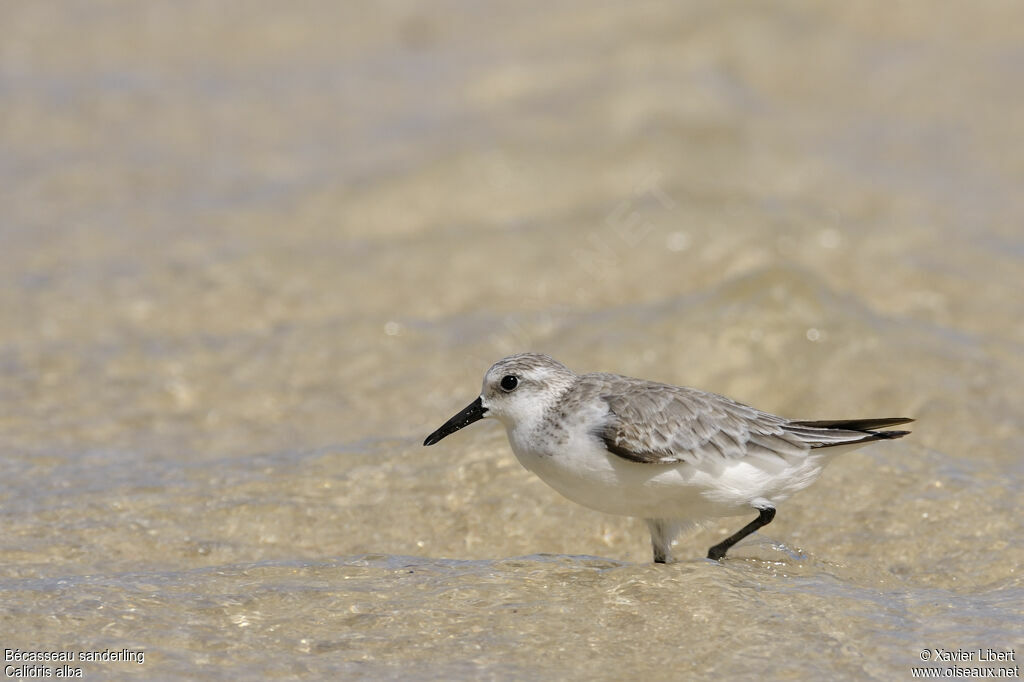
(475, 411)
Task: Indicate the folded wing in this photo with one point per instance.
(648, 422)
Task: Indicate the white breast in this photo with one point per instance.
(581, 469)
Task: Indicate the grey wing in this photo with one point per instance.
(658, 423)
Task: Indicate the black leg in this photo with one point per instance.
(764, 518)
(663, 532)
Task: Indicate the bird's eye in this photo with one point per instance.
(509, 382)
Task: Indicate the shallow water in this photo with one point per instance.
(253, 253)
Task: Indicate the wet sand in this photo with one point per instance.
(253, 253)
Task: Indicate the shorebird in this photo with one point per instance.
(668, 454)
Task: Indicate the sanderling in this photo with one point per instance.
(668, 454)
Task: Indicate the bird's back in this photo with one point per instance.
(652, 422)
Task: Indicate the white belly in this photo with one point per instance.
(589, 475)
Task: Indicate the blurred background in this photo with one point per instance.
(253, 252)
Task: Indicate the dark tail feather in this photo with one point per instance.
(865, 425)
(868, 437)
(883, 435)
(829, 433)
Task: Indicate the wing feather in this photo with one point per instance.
(650, 422)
